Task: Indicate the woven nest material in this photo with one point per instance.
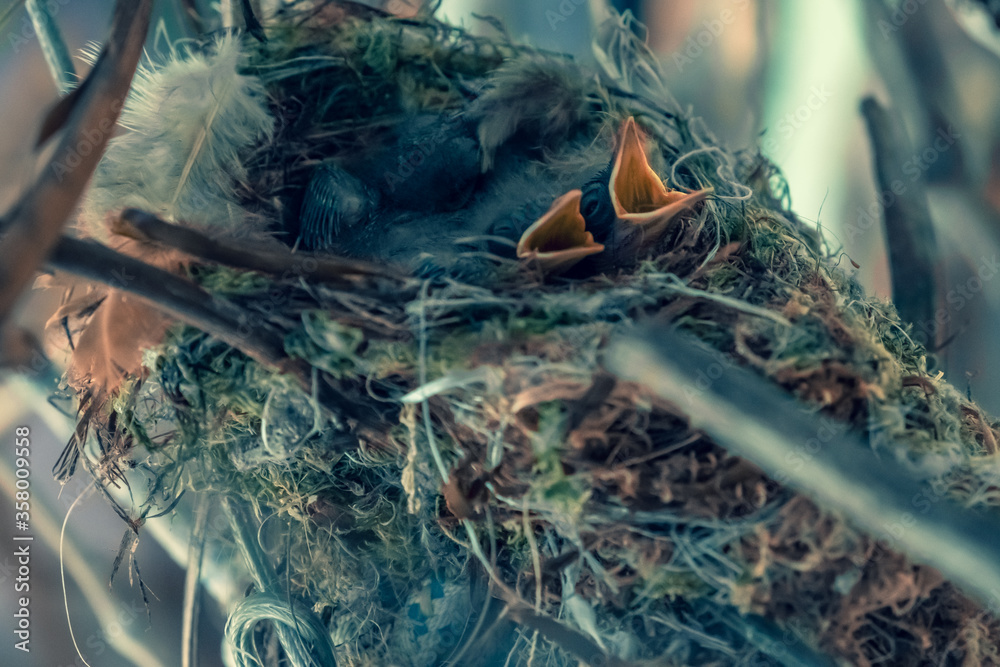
(449, 468)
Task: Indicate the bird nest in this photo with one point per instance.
(448, 469)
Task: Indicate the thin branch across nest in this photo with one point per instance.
(441, 450)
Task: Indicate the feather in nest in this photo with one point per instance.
(105, 329)
(190, 124)
(538, 99)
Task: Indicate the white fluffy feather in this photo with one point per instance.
(189, 123)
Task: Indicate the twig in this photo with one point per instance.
(780, 644)
(34, 225)
(252, 25)
(908, 227)
(172, 294)
(52, 44)
(750, 417)
(192, 585)
(144, 226)
(192, 305)
(570, 640)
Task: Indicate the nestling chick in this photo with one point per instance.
(439, 162)
(550, 194)
(606, 213)
(613, 219)
(429, 165)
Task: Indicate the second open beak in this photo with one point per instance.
(638, 195)
(559, 239)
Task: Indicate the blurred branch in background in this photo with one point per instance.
(908, 227)
(992, 7)
(32, 228)
(916, 54)
(946, 87)
(753, 419)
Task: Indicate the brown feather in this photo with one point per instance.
(108, 329)
(110, 348)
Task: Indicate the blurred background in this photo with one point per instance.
(787, 75)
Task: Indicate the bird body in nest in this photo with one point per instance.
(528, 165)
(588, 208)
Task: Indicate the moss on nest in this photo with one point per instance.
(505, 449)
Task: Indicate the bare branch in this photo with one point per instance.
(189, 303)
(144, 226)
(32, 228)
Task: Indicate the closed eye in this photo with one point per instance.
(505, 229)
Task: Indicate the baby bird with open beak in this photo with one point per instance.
(612, 219)
(594, 222)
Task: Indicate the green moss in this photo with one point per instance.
(624, 503)
(326, 344)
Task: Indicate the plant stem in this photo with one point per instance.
(34, 225)
(53, 46)
(192, 305)
(274, 261)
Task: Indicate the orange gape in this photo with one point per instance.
(559, 239)
(644, 210)
(638, 194)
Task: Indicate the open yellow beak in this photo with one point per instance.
(559, 239)
(637, 193)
